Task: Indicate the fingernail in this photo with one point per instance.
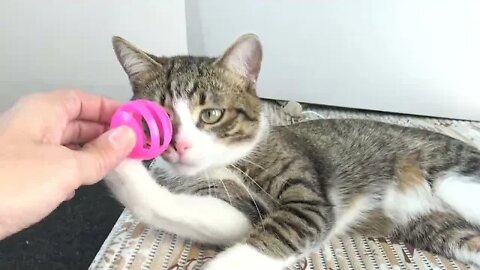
(122, 137)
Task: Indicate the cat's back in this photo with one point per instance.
(345, 141)
(344, 128)
(338, 132)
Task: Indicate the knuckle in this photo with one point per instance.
(64, 98)
(66, 92)
(31, 99)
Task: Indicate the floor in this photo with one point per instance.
(67, 239)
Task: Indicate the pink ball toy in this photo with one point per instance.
(153, 144)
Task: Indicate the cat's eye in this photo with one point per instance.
(211, 116)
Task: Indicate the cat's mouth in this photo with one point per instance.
(176, 160)
(182, 166)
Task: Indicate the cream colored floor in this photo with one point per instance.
(132, 245)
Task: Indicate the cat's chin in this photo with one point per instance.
(178, 168)
(186, 169)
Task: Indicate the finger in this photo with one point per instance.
(73, 104)
(79, 131)
(85, 106)
(70, 196)
(49, 113)
(73, 146)
(80, 105)
(100, 156)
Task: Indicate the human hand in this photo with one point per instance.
(41, 160)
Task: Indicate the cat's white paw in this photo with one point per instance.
(244, 257)
(128, 176)
(127, 171)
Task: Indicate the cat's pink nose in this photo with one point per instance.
(182, 146)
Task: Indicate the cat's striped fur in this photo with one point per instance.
(296, 185)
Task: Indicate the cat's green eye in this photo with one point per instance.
(211, 116)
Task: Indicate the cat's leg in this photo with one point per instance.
(201, 218)
(302, 221)
(445, 234)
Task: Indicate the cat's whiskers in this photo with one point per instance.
(226, 190)
(209, 184)
(254, 203)
(253, 163)
(255, 182)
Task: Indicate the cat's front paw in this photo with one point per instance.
(244, 257)
(130, 174)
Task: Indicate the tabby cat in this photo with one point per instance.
(272, 194)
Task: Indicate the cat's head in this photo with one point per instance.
(216, 114)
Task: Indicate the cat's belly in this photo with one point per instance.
(398, 207)
(364, 215)
(402, 205)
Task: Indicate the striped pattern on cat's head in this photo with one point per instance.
(216, 113)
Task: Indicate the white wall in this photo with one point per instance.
(409, 56)
(54, 43)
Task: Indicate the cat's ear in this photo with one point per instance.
(134, 61)
(244, 57)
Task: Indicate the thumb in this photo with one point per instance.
(101, 155)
